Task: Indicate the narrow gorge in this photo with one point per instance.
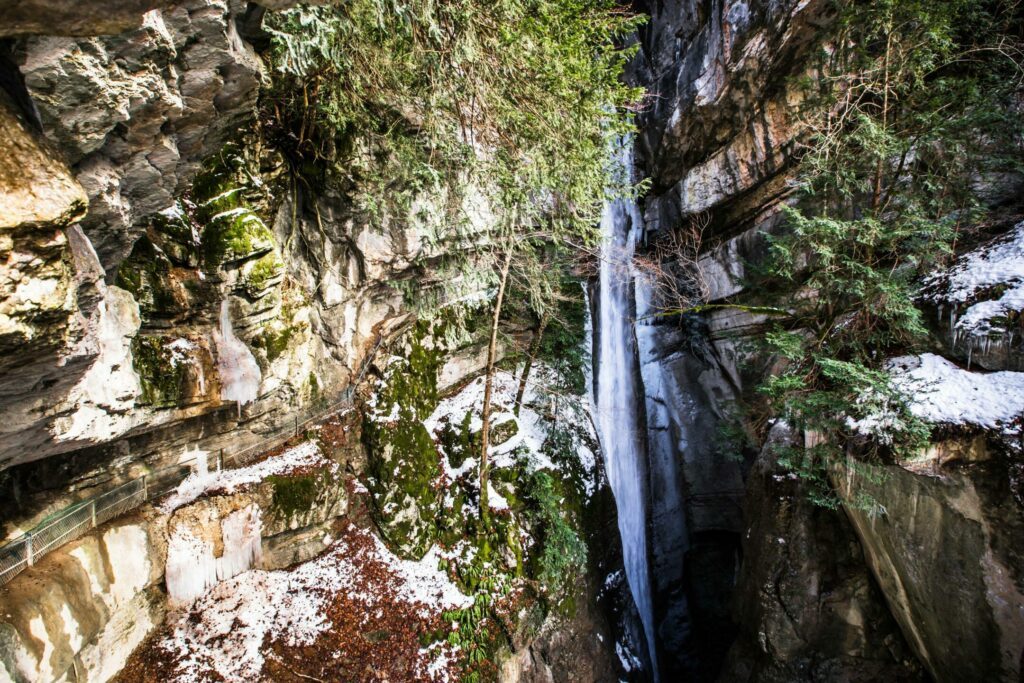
(512, 340)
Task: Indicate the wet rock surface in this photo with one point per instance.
(947, 557)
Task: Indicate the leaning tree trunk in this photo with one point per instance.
(485, 413)
(530, 358)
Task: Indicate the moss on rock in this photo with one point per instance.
(263, 273)
(294, 494)
(404, 461)
(232, 229)
(146, 273)
(175, 232)
(162, 375)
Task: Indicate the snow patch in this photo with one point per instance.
(940, 392)
(998, 263)
(544, 408)
(305, 455)
(224, 632)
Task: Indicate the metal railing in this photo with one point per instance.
(77, 519)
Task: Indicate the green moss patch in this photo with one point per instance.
(294, 494)
(258, 277)
(162, 375)
(232, 229)
(404, 461)
(146, 273)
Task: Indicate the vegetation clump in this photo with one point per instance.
(296, 494)
(887, 185)
(232, 230)
(404, 463)
(564, 554)
(517, 98)
(146, 273)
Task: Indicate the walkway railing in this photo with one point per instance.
(76, 520)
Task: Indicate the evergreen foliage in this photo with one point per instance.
(564, 553)
(911, 106)
(408, 97)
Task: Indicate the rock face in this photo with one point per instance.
(806, 602)
(715, 142)
(90, 18)
(81, 612)
(564, 648)
(718, 73)
(137, 112)
(947, 556)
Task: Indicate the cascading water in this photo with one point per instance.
(618, 400)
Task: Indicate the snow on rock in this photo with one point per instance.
(326, 606)
(998, 263)
(544, 408)
(943, 393)
(306, 455)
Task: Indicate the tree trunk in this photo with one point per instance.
(876, 194)
(532, 356)
(485, 412)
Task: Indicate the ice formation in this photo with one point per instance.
(240, 375)
(192, 569)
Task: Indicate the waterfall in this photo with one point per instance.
(618, 401)
(239, 372)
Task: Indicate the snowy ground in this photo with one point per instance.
(357, 612)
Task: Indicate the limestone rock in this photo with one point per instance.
(946, 553)
(136, 112)
(806, 603)
(80, 612)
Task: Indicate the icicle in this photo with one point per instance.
(202, 464)
(192, 568)
(243, 542)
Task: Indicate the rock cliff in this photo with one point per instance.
(140, 203)
(166, 284)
